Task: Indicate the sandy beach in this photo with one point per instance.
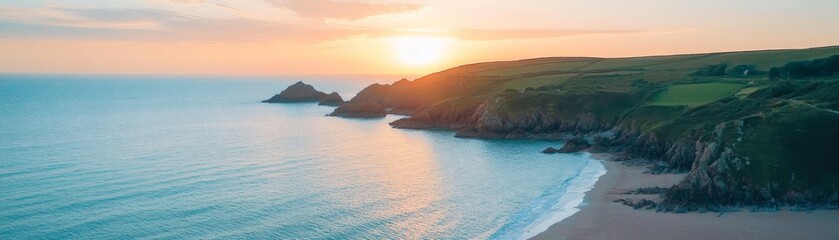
(602, 218)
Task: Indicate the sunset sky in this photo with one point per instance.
(384, 36)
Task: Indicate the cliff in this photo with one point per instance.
(742, 139)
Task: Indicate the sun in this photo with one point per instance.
(418, 50)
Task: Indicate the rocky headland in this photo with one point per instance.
(763, 143)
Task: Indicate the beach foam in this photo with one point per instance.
(570, 201)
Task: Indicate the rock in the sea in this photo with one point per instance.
(360, 110)
(574, 145)
(550, 150)
(298, 92)
(333, 99)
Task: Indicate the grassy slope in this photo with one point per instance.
(695, 94)
(575, 73)
(793, 129)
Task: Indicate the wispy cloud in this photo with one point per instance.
(179, 1)
(344, 10)
(501, 34)
(150, 24)
(146, 25)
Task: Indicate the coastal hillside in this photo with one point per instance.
(757, 128)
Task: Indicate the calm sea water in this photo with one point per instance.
(201, 157)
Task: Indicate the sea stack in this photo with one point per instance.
(333, 99)
(298, 92)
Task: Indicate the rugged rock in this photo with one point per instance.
(721, 175)
(643, 203)
(601, 144)
(648, 190)
(360, 110)
(678, 157)
(550, 150)
(333, 99)
(574, 145)
(441, 116)
(298, 92)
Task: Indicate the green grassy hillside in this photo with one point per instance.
(757, 118)
(695, 94)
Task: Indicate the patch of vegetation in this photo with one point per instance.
(824, 67)
(535, 68)
(743, 93)
(538, 81)
(793, 145)
(712, 70)
(694, 94)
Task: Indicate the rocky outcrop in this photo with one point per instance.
(359, 110)
(637, 204)
(679, 156)
(722, 176)
(550, 150)
(574, 145)
(333, 99)
(298, 92)
(493, 119)
(712, 179)
(441, 116)
(648, 190)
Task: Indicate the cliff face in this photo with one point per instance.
(752, 161)
(493, 120)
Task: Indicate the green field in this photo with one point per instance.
(695, 94)
(535, 68)
(537, 81)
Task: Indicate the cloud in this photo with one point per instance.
(475, 34)
(228, 7)
(502, 34)
(151, 24)
(344, 10)
(180, 1)
(128, 15)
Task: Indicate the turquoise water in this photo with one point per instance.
(200, 157)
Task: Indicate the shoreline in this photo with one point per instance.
(600, 217)
(571, 200)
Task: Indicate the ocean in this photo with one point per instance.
(174, 157)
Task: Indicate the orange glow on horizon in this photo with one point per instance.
(383, 37)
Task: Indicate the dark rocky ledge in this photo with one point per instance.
(359, 110)
(574, 145)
